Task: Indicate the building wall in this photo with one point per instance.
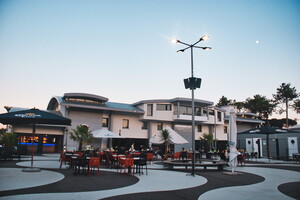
(135, 126)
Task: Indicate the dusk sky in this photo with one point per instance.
(121, 49)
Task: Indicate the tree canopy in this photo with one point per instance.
(260, 105)
(285, 94)
(264, 107)
(165, 136)
(82, 135)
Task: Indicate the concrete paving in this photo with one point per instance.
(158, 180)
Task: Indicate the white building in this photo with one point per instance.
(139, 121)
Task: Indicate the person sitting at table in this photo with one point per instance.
(169, 154)
(183, 153)
(132, 148)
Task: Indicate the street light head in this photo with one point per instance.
(180, 50)
(204, 37)
(206, 48)
(174, 40)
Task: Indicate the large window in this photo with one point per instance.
(149, 109)
(199, 128)
(219, 116)
(163, 107)
(187, 110)
(104, 122)
(145, 125)
(225, 129)
(125, 123)
(159, 126)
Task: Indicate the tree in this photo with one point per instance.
(296, 105)
(239, 105)
(260, 105)
(165, 136)
(82, 135)
(280, 123)
(285, 94)
(223, 101)
(209, 138)
(9, 139)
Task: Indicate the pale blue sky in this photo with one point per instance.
(121, 49)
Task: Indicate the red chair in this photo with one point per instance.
(63, 159)
(128, 163)
(120, 163)
(93, 163)
(190, 155)
(150, 157)
(177, 156)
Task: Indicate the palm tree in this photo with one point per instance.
(82, 135)
(209, 138)
(165, 136)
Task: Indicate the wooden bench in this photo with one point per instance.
(203, 163)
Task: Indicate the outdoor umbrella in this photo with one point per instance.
(104, 133)
(33, 116)
(267, 130)
(175, 138)
(232, 141)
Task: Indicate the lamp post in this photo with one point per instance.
(192, 83)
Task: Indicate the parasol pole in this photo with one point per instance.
(32, 144)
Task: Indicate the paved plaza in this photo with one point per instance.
(260, 179)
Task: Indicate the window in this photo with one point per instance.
(199, 128)
(225, 129)
(159, 126)
(104, 122)
(211, 112)
(219, 116)
(145, 125)
(149, 109)
(187, 110)
(164, 107)
(210, 129)
(125, 123)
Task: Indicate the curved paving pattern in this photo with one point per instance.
(26, 179)
(267, 189)
(158, 179)
(159, 183)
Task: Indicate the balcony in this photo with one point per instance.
(182, 117)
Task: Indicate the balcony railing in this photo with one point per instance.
(184, 117)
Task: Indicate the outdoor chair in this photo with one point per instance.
(93, 163)
(140, 164)
(64, 159)
(128, 163)
(150, 157)
(112, 161)
(120, 162)
(177, 156)
(80, 165)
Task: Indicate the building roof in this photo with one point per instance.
(198, 102)
(98, 103)
(86, 96)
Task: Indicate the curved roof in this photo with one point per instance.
(177, 99)
(85, 96)
(104, 105)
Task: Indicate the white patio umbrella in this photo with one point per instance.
(175, 138)
(105, 136)
(104, 133)
(232, 141)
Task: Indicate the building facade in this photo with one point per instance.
(138, 122)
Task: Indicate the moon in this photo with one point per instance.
(257, 42)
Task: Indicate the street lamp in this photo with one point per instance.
(192, 83)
